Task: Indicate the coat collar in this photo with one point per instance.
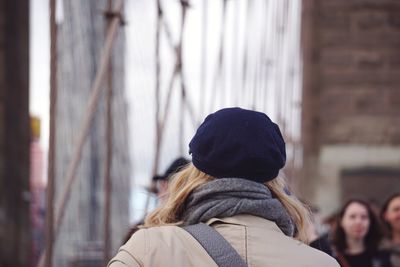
(248, 221)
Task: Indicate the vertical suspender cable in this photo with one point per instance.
(184, 6)
(89, 114)
(220, 64)
(158, 122)
(270, 67)
(235, 49)
(108, 156)
(284, 49)
(245, 49)
(52, 140)
(203, 75)
(157, 90)
(265, 60)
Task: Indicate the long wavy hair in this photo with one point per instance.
(386, 225)
(189, 178)
(373, 236)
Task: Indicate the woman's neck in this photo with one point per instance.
(396, 238)
(355, 246)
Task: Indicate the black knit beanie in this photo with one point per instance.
(235, 142)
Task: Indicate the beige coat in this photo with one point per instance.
(260, 242)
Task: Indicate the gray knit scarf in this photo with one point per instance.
(226, 197)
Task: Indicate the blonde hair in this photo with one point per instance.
(298, 211)
(189, 178)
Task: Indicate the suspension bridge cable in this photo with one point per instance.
(89, 114)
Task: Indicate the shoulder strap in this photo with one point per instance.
(216, 245)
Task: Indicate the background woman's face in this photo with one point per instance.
(392, 215)
(355, 221)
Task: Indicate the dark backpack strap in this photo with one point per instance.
(216, 245)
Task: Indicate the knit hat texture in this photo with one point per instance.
(235, 142)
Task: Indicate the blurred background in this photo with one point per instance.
(99, 96)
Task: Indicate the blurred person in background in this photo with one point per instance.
(160, 187)
(160, 182)
(356, 237)
(390, 215)
(323, 242)
(232, 187)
